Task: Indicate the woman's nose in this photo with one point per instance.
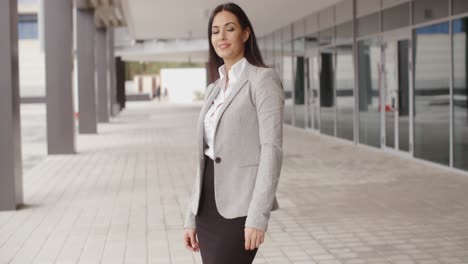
(223, 34)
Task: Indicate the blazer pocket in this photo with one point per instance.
(251, 162)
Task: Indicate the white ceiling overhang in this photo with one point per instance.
(162, 19)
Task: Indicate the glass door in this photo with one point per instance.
(396, 95)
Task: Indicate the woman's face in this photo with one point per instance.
(227, 36)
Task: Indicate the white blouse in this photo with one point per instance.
(210, 117)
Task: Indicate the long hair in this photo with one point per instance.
(251, 50)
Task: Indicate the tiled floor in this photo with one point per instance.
(122, 199)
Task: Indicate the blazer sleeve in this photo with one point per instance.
(189, 221)
(269, 102)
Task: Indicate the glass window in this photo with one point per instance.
(268, 47)
(460, 94)
(370, 72)
(426, 10)
(288, 78)
(27, 26)
(327, 91)
(327, 37)
(460, 6)
(431, 93)
(396, 17)
(369, 24)
(312, 81)
(299, 107)
(278, 53)
(313, 85)
(344, 33)
(311, 42)
(403, 94)
(345, 92)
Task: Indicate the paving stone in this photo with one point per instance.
(122, 198)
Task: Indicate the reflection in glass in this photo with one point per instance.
(431, 93)
(426, 10)
(344, 92)
(396, 94)
(390, 52)
(327, 92)
(403, 95)
(299, 106)
(327, 37)
(299, 91)
(288, 81)
(315, 87)
(369, 65)
(278, 53)
(396, 17)
(460, 93)
(312, 81)
(369, 24)
(459, 6)
(267, 51)
(344, 33)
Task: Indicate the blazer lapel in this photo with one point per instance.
(235, 90)
(205, 108)
(210, 99)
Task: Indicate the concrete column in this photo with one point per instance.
(111, 71)
(102, 78)
(120, 82)
(11, 179)
(87, 103)
(58, 33)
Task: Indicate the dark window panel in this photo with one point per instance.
(369, 24)
(327, 90)
(396, 17)
(427, 10)
(431, 93)
(460, 94)
(460, 6)
(344, 33)
(327, 37)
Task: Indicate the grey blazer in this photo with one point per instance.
(247, 148)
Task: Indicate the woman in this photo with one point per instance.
(240, 131)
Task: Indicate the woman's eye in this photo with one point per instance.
(230, 29)
(214, 33)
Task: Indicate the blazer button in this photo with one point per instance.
(218, 160)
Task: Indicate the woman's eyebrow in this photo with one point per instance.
(225, 24)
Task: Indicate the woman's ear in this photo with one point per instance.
(246, 34)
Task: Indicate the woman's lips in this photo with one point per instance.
(223, 46)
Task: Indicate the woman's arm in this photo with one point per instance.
(269, 101)
(189, 221)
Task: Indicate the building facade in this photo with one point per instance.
(389, 74)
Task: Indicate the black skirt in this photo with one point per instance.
(221, 240)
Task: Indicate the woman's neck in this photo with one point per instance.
(229, 63)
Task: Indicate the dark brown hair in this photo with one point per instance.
(251, 50)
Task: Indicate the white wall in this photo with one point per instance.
(182, 83)
(31, 69)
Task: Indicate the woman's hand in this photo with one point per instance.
(190, 240)
(253, 238)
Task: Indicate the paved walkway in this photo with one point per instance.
(122, 199)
